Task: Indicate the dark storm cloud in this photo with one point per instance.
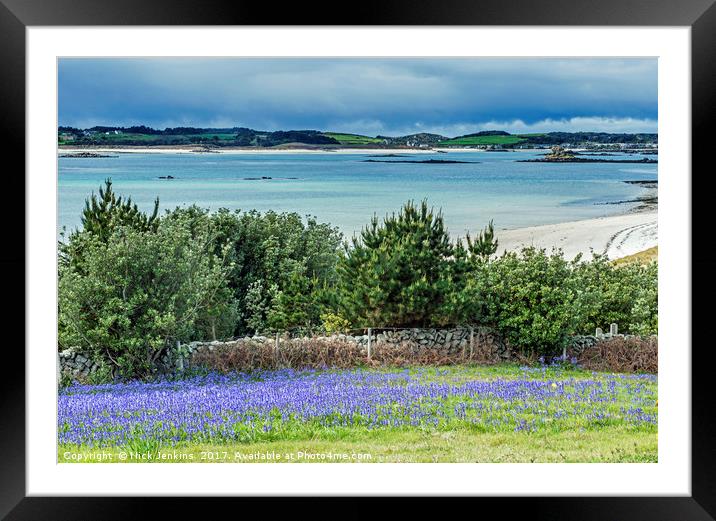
(373, 96)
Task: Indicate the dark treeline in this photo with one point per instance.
(142, 135)
(141, 129)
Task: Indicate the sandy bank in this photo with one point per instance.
(617, 236)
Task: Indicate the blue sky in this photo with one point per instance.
(390, 96)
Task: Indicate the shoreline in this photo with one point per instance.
(616, 236)
(243, 150)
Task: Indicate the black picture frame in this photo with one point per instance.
(700, 15)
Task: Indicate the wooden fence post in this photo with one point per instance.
(472, 341)
(275, 350)
(370, 333)
(180, 358)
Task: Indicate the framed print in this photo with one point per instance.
(421, 240)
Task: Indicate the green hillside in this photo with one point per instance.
(482, 140)
(353, 139)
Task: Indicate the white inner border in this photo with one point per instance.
(671, 475)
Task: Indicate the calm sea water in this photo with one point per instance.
(346, 191)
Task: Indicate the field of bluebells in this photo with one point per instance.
(335, 405)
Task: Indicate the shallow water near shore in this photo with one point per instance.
(346, 191)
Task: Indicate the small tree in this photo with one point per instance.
(484, 245)
(397, 272)
(297, 306)
(102, 214)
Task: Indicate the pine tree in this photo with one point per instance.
(100, 217)
(397, 273)
(484, 245)
(101, 214)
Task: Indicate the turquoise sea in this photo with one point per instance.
(346, 191)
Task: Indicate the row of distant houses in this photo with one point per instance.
(416, 144)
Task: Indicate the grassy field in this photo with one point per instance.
(501, 413)
(353, 139)
(609, 445)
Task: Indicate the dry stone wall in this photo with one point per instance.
(77, 366)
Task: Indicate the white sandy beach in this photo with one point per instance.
(231, 150)
(617, 236)
(252, 151)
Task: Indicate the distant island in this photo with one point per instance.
(213, 139)
(425, 161)
(559, 154)
(86, 154)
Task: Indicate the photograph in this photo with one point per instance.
(338, 259)
(441, 250)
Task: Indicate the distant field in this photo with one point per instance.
(482, 140)
(353, 139)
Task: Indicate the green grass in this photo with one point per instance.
(352, 139)
(608, 445)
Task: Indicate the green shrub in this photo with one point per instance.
(279, 260)
(537, 300)
(139, 291)
(622, 294)
(333, 323)
(530, 297)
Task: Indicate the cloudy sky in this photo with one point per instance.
(390, 96)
